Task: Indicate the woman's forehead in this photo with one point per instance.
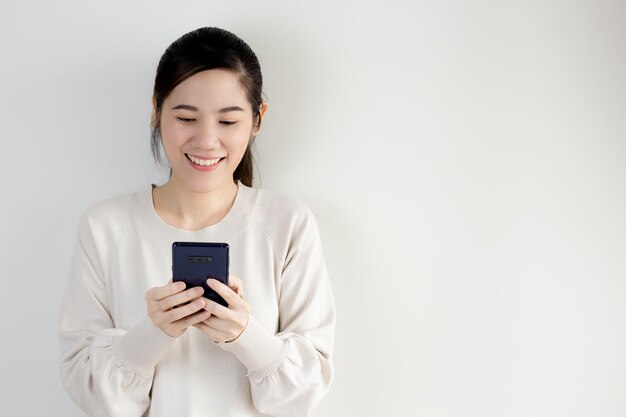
(216, 88)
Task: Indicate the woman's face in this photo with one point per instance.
(206, 123)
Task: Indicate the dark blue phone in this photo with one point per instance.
(195, 262)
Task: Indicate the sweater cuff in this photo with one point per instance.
(141, 348)
(257, 348)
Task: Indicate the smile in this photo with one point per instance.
(203, 162)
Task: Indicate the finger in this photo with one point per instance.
(180, 298)
(236, 284)
(191, 320)
(217, 309)
(215, 335)
(217, 324)
(225, 291)
(186, 310)
(159, 293)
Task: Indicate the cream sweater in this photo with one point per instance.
(115, 362)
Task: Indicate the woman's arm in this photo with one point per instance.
(106, 370)
(291, 371)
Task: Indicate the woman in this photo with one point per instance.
(135, 343)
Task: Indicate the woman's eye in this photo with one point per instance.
(182, 119)
(227, 123)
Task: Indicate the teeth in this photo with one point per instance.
(204, 162)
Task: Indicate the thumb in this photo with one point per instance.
(236, 284)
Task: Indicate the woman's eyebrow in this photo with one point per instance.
(194, 108)
(185, 107)
(231, 108)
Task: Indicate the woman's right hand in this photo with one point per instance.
(168, 311)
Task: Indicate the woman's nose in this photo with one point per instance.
(208, 135)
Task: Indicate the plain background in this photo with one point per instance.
(465, 161)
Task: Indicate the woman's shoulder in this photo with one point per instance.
(110, 206)
(273, 204)
(111, 213)
(278, 213)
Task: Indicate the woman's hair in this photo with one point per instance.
(203, 49)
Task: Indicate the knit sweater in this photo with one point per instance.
(115, 362)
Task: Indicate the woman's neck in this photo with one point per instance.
(186, 209)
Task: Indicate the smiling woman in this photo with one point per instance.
(208, 118)
(134, 343)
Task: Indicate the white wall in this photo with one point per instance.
(465, 161)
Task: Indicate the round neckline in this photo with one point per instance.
(164, 234)
(154, 211)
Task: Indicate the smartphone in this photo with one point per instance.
(195, 262)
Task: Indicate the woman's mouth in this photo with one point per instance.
(204, 164)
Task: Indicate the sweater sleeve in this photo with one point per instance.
(291, 371)
(107, 371)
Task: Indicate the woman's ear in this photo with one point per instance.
(262, 110)
(153, 118)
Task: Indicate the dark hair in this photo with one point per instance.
(203, 49)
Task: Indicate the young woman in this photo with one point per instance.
(134, 343)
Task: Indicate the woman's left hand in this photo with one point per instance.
(225, 323)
